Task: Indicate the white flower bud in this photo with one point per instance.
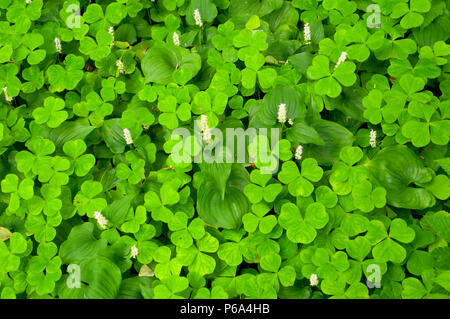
(127, 136)
(291, 122)
(342, 59)
(176, 39)
(134, 251)
(111, 33)
(299, 152)
(58, 45)
(282, 113)
(313, 280)
(120, 66)
(373, 138)
(101, 220)
(28, 1)
(307, 34)
(7, 97)
(206, 131)
(197, 18)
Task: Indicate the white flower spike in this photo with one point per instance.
(176, 39)
(282, 113)
(299, 152)
(127, 136)
(342, 59)
(101, 220)
(313, 280)
(134, 251)
(58, 45)
(307, 34)
(111, 33)
(198, 18)
(120, 66)
(7, 97)
(291, 122)
(206, 131)
(373, 138)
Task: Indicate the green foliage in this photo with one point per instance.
(88, 178)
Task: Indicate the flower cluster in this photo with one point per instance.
(7, 97)
(282, 113)
(127, 136)
(198, 18)
(206, 131)
(101, 220)
(58, 45)
(373, 138)
(307, 34)
(342, 59)
(134, 251)
(299, 152)
(313, 280)
(111, 33)
(120, 66)
(176, 39)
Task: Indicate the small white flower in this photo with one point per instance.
(28, 1)
(313, 280)
(282, 113)
(291, 122)
(299, 152)
(127, 136)
(7, 97)
(176, 39)
(307, 34)
(145, 126)
(206, 131)
(101, 220)
(198, 18)
(58, 45)
(373, 138)
(111, 33)
(120, 66)
(342, 59)
(134, 251)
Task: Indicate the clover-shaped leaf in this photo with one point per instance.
(299, 184)
(327, 84)
(52, 113)
(66, 78)
(365, 198)
(17, 245)
(388, 249)
(411, 16)
(303, 229)
(87, 200)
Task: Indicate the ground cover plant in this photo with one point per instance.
(355, 95)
